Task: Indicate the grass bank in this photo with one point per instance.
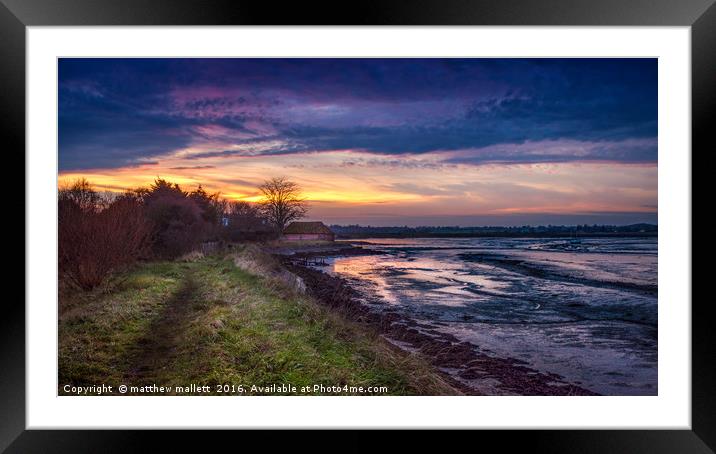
(226, 320)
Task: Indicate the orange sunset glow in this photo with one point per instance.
(454, 154)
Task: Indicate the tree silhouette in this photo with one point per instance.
(282, 202)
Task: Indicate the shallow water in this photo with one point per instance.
(583, 309)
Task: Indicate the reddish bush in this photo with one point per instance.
(94, 241)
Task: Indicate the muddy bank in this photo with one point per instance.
(476, 372)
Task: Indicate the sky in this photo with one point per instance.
(376, 141)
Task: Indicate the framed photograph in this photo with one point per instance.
(444, 215)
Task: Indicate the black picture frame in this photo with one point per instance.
(700, 15)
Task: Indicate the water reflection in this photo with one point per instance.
(589, 315)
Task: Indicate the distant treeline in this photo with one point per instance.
(359, 231)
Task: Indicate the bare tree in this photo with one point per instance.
(282, 202)
(81, 193)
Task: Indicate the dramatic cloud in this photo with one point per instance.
(456, 138)
(121, 111)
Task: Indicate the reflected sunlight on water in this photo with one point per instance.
(589, 315)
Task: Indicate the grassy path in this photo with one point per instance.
(209, 322)
(155, 350)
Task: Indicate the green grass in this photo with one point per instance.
(209, 322)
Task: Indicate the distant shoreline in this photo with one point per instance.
(525, 231)
(503, 235)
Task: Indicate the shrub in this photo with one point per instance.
(179, 225)
(95, 240)
(246, 222)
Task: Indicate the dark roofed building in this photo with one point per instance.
(308, 231)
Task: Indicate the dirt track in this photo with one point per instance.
(155, 350)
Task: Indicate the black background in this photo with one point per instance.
(15, 15)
